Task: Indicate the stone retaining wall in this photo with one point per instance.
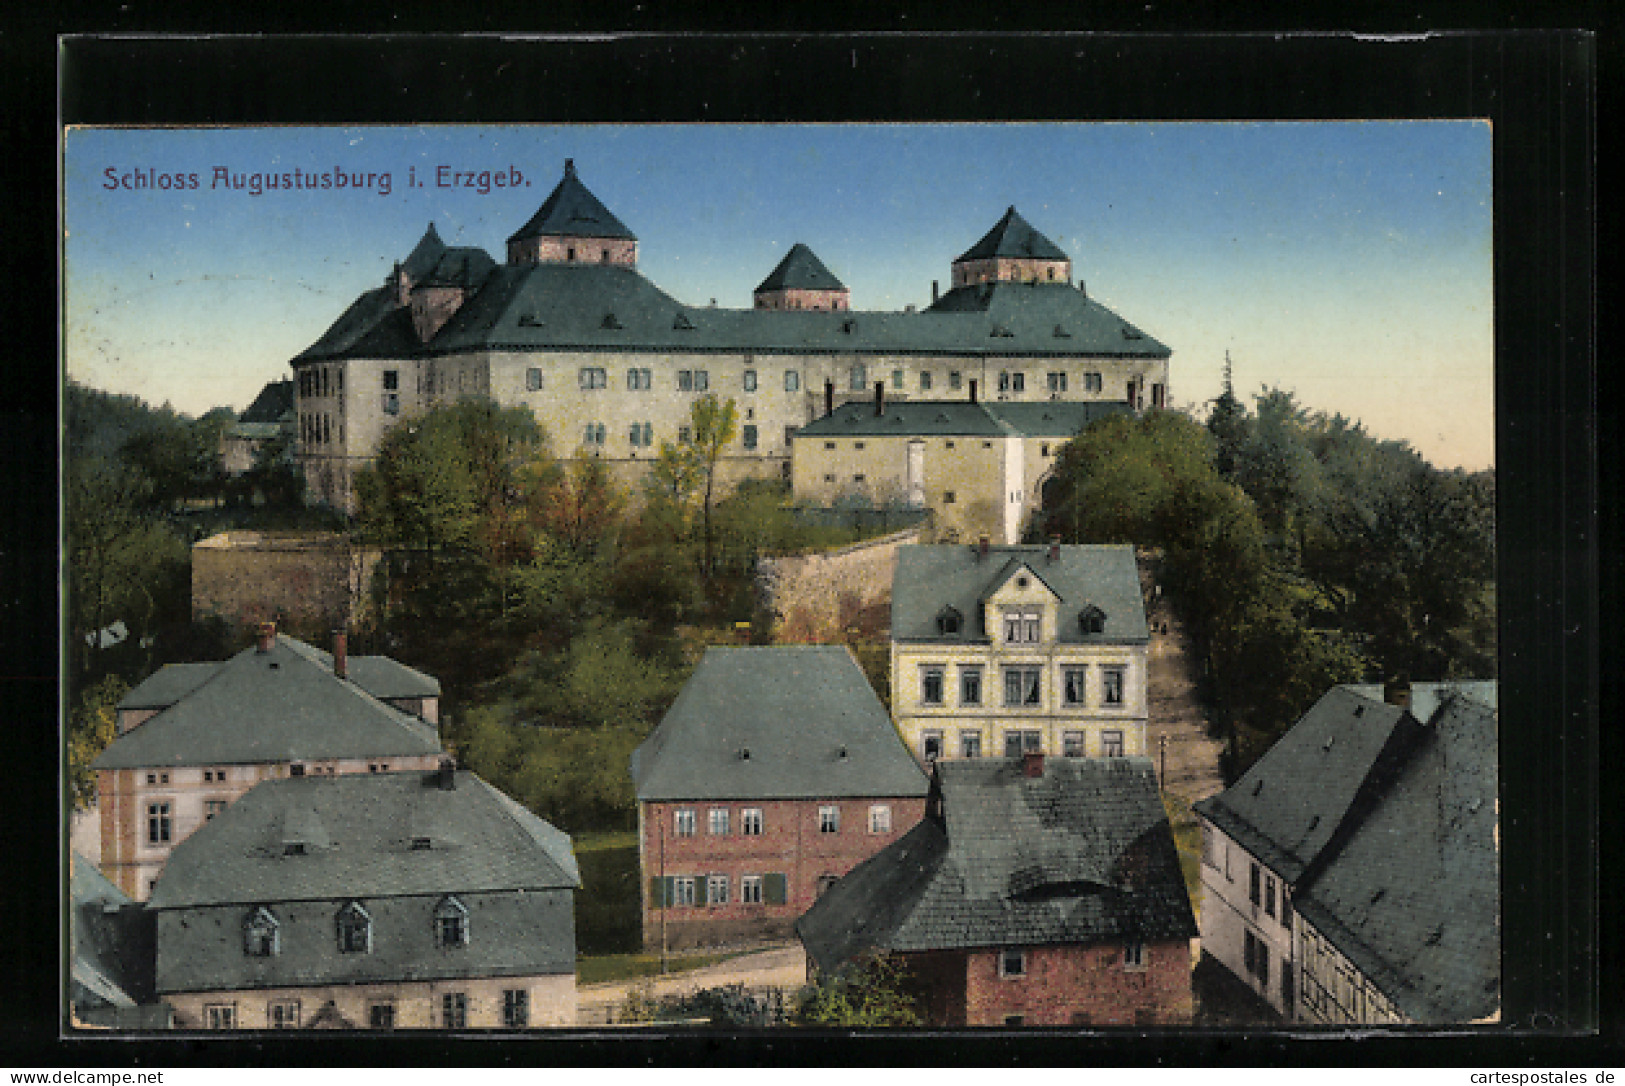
(819, 597)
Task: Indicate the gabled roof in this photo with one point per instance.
(424, 255)
(282, 705)
(800, 270)
(169, 684)
(1286, 808)
(1081, 854)
(1411, 895)
(374, 326)
(272, 405)
(358, 830)
(572, 211)
(112, 941)
(806, 715)
(961, 418)
(929, 578)
(1013, 236)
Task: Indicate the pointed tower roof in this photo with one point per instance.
(572, 211)
(424, 256)
(800, 270)
(1013, 236)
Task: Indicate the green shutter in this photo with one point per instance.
(699, 890)
(660, 892)
(774, 891)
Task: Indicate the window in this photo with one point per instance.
(1092, 382)
(1018, 382)
(1021, 627)
(1269, 895)
(451, 923)
(682, 890)
(1286, 909)
(750, 381)
(858, 379)
(1254, 884)
(702, 380)
(931, 686)
(157, 823)
(1072, 744)
(717, 819)
(355, 929)
(381, 1015)
(590, 377)
(685, 434)
(897, 379)
(392, 403)
(953, 379)
(1021, 686)
(296, 770)
(1017, 743)
(948, 496)
(970, 686)
(931, 745)
(825, 882)
(639, 379)
(747, 436)
(829, 819)
(1057, 382)
(454, 1006)
(284, 1014)
(1134, 955)
(880, 818)
(792, 381)
(212, 807)
(1013, 963)
(948, 621)
(1111, 743)
(1256, 957)
(750, 889)
(593, 434)
(1075, 681)
(683, 822)
(533, 379)
(1111, 685)
(262, 935)
(716, 890)
(642, 434)
(1091, 620)
(152, 778)
(970, 744)
(1004, 380)
(392, 380)
(220, 1016)
(515, 1007)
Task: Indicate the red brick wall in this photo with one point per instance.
(556, 250)
(803, 299)
(790, 844)
(936, 980)
(1082, 985)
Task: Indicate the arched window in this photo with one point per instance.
(262, 935)
(451, 923)
(949, 621)
(1092, 620)
(355, 929)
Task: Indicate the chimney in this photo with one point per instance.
(1397, 691)
(829, 397)
(341, 654)
(1032, 764)
(981, 549)
(933, 292)
(446, 778)
(569, 167)
(880, 397)
(973, 391)
(266, 637)
(1054, 548)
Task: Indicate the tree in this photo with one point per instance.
(580, 505)
(91, 726)
(1229, 425)
(715, 424)
(872, 992)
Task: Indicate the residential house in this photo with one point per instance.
(376, 901)
(1036, 891)
(775, 771)
(978, 467)
(611, 364)
(269, 420)
(194, 737)
(1350, 875)
(1003, 650)
(111, 941)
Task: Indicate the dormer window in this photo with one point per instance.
(354, 929)
(262, 935)
(451, 923)
(1092, 620)
(1021, 627)
(422, 844)
(949, 621)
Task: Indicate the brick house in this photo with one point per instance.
(1001, 650)
(378, 901)
(774, 773)
(194, 737)
(1350, 875)
(1036, 891)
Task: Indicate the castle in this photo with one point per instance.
(610, 364)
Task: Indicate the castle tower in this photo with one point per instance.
(802, 282)
(573, 227)
(1012, 251)
(418, 264)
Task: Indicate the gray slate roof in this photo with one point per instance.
(112, 941)
(929, 579)
(572, 211)
(1013, 236)
(358, 831)
(463, 266)
(274, 404)
(800, 270)
(1287, 806)
(807, 715)
(1080, 855)
(1412, 897)
(1427, 697)
(278, 706)
(424, 255)
(961, 418)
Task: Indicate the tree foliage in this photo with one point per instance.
(92, 724)
(872, 992)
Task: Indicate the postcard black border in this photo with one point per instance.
(1539, 90)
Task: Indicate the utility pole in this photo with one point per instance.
(1162, 758)
(665, 896)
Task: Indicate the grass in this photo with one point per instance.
(607, 920)
(1188, 840)
(598, 842)
(602, 968)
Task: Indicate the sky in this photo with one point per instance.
(1348, 262)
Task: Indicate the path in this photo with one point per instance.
(775, 967)
(1175, 713)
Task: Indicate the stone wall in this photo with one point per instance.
(305, 578)
(814, 598)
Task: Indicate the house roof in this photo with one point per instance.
(358, 830)
(800, 270)
(463, 266)
(960, 418)
(806, 715)
(929, 579)
(1411, 897)
(112, 941)
(169, 684)
(572, 211)
(1288, 805)
(1081, 854)
(1427, 697)
(282, 705)
(273, 405)
(424, 255)
(1013, 236)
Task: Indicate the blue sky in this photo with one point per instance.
(1349, 262)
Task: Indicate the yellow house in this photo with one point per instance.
(978, 467)
(1000, 650)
